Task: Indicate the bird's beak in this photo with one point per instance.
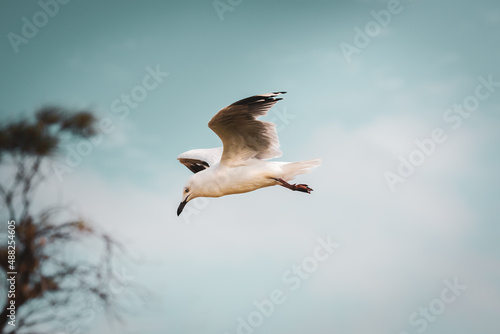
(182, 205)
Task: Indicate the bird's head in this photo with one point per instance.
(189, 192)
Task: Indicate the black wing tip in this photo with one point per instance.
(274, 98)
(194, 165)
(260, 99)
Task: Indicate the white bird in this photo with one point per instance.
(241, 165)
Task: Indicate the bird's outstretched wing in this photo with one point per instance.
(198, 160)
(243, 136)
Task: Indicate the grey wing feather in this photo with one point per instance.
(243, 135)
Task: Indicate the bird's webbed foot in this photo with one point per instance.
(295, 187)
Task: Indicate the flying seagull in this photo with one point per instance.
(241, 165)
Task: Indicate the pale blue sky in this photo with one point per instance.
(208, 267)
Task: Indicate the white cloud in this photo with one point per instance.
(394, 247)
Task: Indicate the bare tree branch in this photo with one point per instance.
(54, 290)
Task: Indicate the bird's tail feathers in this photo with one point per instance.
(291, 170)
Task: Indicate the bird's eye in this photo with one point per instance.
(186, 190)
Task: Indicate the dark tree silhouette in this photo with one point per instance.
(57, 288)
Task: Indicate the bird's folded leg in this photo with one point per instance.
(295, 187)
